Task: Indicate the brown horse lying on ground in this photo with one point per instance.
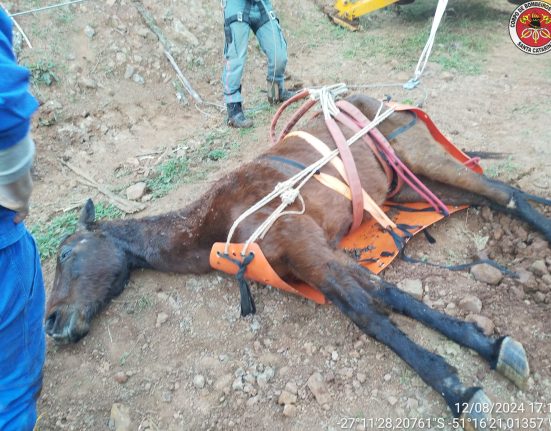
(94, 263)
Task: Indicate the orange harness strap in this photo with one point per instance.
(330, 181)
(439, 137)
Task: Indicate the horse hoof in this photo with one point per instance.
(513, 363)
(477, 413)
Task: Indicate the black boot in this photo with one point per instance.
(236, 118)
(277, 93)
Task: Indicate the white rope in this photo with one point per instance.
(425, 54)
(287, 190)
(45, 8)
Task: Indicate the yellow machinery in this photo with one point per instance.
(346, 12)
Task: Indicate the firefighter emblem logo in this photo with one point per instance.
(530, 27)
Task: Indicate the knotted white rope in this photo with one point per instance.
(288, 190)
(425, 54)
(326, 97)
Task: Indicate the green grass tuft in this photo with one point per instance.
(48, 236)
(169, 174)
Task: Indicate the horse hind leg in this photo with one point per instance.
(428, 159)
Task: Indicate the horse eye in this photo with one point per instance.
(65, 253)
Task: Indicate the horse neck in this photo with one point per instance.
(172, 242)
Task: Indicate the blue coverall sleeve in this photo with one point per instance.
(16, 102)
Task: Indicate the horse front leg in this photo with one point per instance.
(330, 271)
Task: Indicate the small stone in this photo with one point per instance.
(223, 383)
(539, 268)
(447, 76)
(486, 273)
(483, 322)
(255, 325)
(392, 400)
(252, 401)
(546, 279)
(412, 286)
(89, 32)
(291, 387)
(161, 318)
(129, 71)
(289, 410)
(286, 398)
(486, 214)
(88, 83)
(334, 356)
(199, 381)
(361, 377)
(526, 278)
(138, 79)
(121, 377)
(319, 389)
(471, 304)
(166, 396)
(136, 191)
(412, 404)
(539, 297)
(238, 384)
(263, 378)
(387, 377)
(120, 418)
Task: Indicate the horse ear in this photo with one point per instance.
(87, 214)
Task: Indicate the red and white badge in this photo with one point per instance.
(530, 27)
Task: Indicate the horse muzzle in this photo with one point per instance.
(66, 327)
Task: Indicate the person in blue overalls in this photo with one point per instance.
(22, 339)
(241, 16)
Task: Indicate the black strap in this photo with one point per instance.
(403, 128)
(247, 301)
(245, 16)
(282, 159)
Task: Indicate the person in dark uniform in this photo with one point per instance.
(240, 17)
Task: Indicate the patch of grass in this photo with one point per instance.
(169, 174)
(506, 169)
(48, 236)
(217, 154)
(43, 73)
(123, 358)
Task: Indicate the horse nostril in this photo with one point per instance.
(50, 323)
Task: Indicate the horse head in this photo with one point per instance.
(91, 268)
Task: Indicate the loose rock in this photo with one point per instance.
(136, 191)
(539, 268)
(291, 387)
(287, 398)
(89, 31)
(120, 418)
(413, 287)
(199, 381)
(161, 318)
(88, 83)
(289, 410)
(319, 389)
(471, 304)
(483, 322)
(486, 273)
(121, 377)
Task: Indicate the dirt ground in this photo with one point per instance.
(173, 349)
